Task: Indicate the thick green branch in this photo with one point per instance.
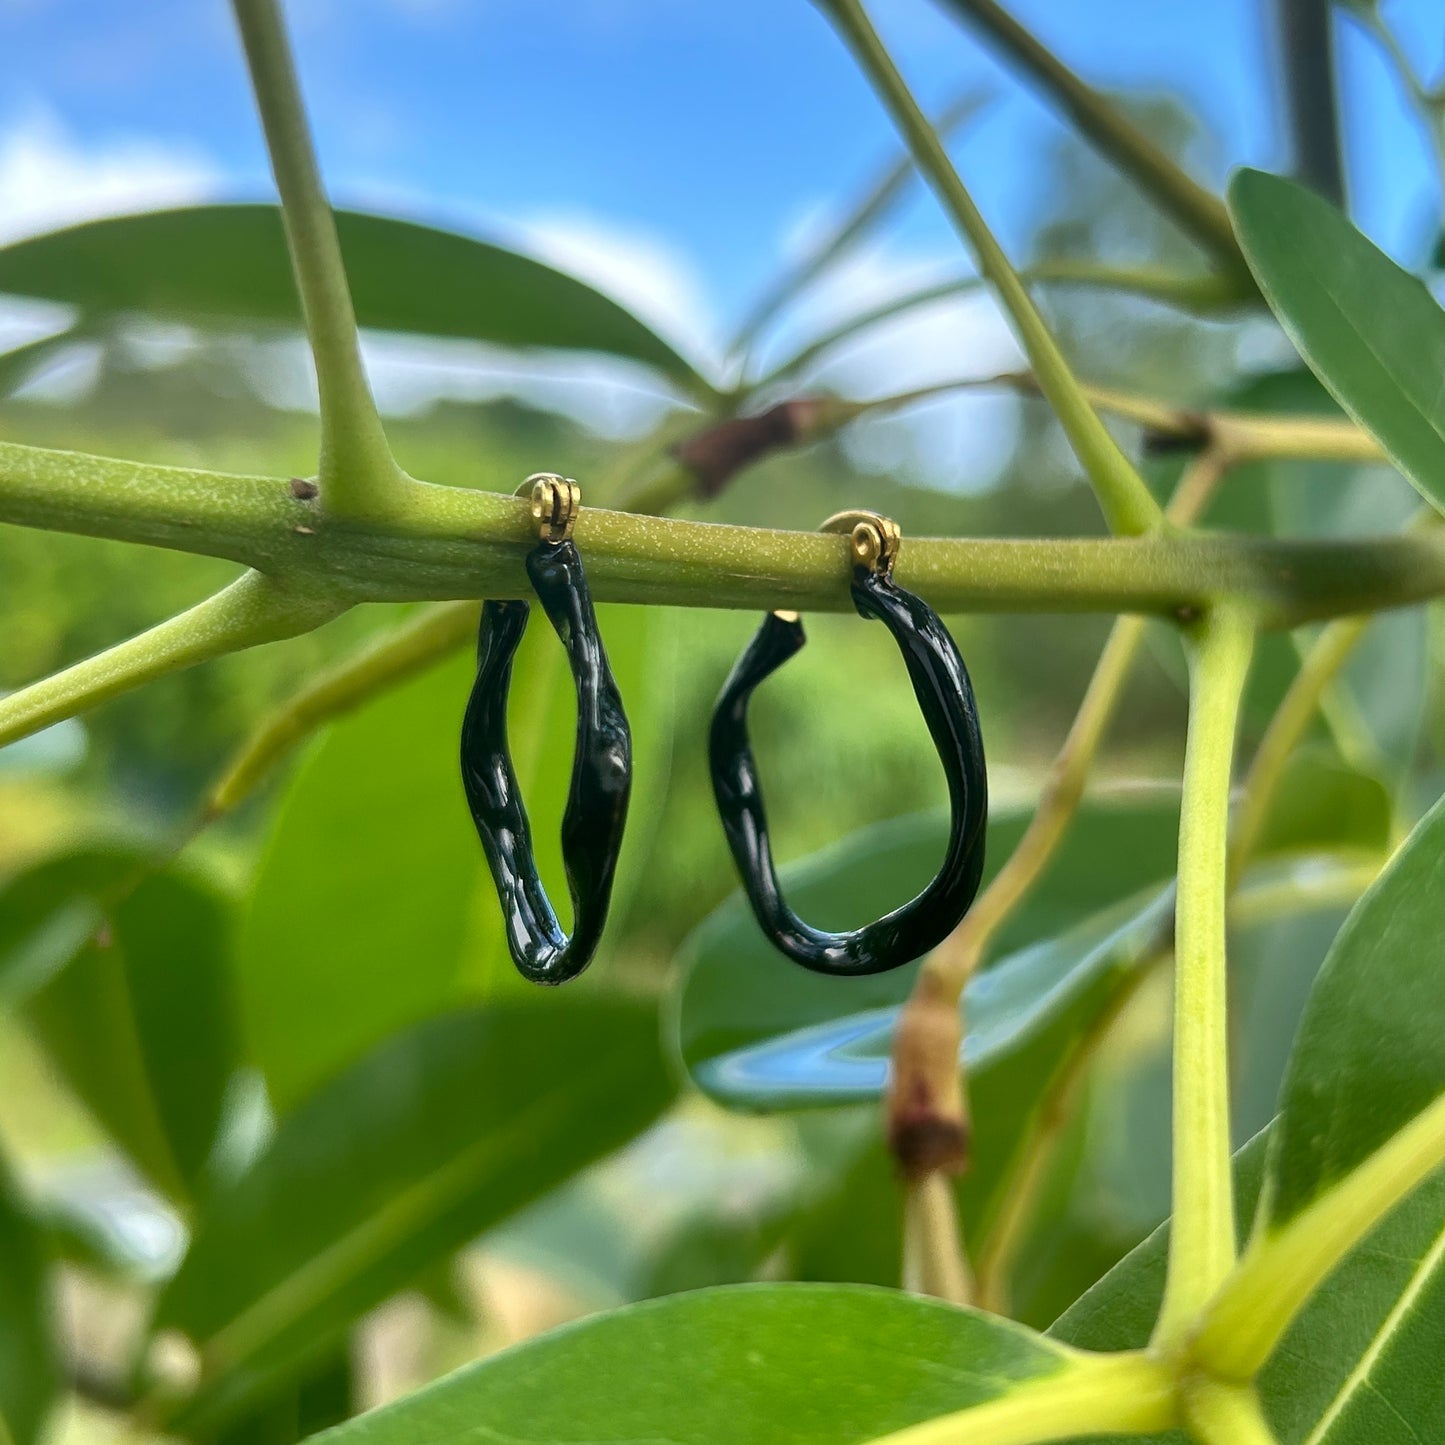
(1127, 505)
(454, 542)
(1198, 211)
(1201, 1240)
(358, 475)
(252, 610)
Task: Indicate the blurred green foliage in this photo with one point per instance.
(295, 1068)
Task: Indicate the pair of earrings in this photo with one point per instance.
(596, 811)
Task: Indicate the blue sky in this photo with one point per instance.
(674, 150)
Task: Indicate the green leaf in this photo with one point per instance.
(21, 364)
(1370, 1053)
(1318, 798)
(1359, 1364)
(29, 1358)
(434, 1137)
(757, 1035)
(50, 911)
(209, 264)
(761, 1364)
(1110, 1182)
(736, 994)
(372, 907)
(361, 907)
(1368, 329)
(704, 1198)
(317, 1402)
(130, 990)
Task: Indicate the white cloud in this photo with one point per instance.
(957, 441)
(50, 179)
(640, 269)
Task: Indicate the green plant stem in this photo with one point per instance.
(1321, 665)
(455, 542)
(1204, 293)
(1220, 1414)
(1258, 902)
(933, 1262)
(385, 662)
(1306, 57)
(930, 1028)
(1088, 1395)
(1281, 1269)
(252, 610)
(1201, 1240)
(1429, 105)
(1234, 437)
(1127, 505)
(357, 473)
(1200, 213)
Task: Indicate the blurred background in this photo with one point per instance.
(681, 159)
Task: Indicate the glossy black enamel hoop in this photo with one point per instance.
(945, 694)
(596, 811)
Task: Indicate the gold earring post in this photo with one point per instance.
(873, 539)
(556, 500)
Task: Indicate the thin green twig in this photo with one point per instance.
(1201, 1240)
(1126, 502)
(357, 473)
(1200, 213)
(1204, 293)
(252, 610)
(454, 542)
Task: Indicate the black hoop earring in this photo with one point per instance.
(596, 810)
(941, 684)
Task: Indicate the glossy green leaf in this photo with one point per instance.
(322, 1399)
(1064, 982)
(1110, 1182)
(358, 917)
(1370, 1053)
(1320, 799)
(1359, 1366)
(50, 910)
(129, 984)
(755, 1034)
(761, 1364)
(29, 1351)
(701, 1199)
(437, 1135)
(209, 264)
(737, 993)
(1368, 329)
(372, 907)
